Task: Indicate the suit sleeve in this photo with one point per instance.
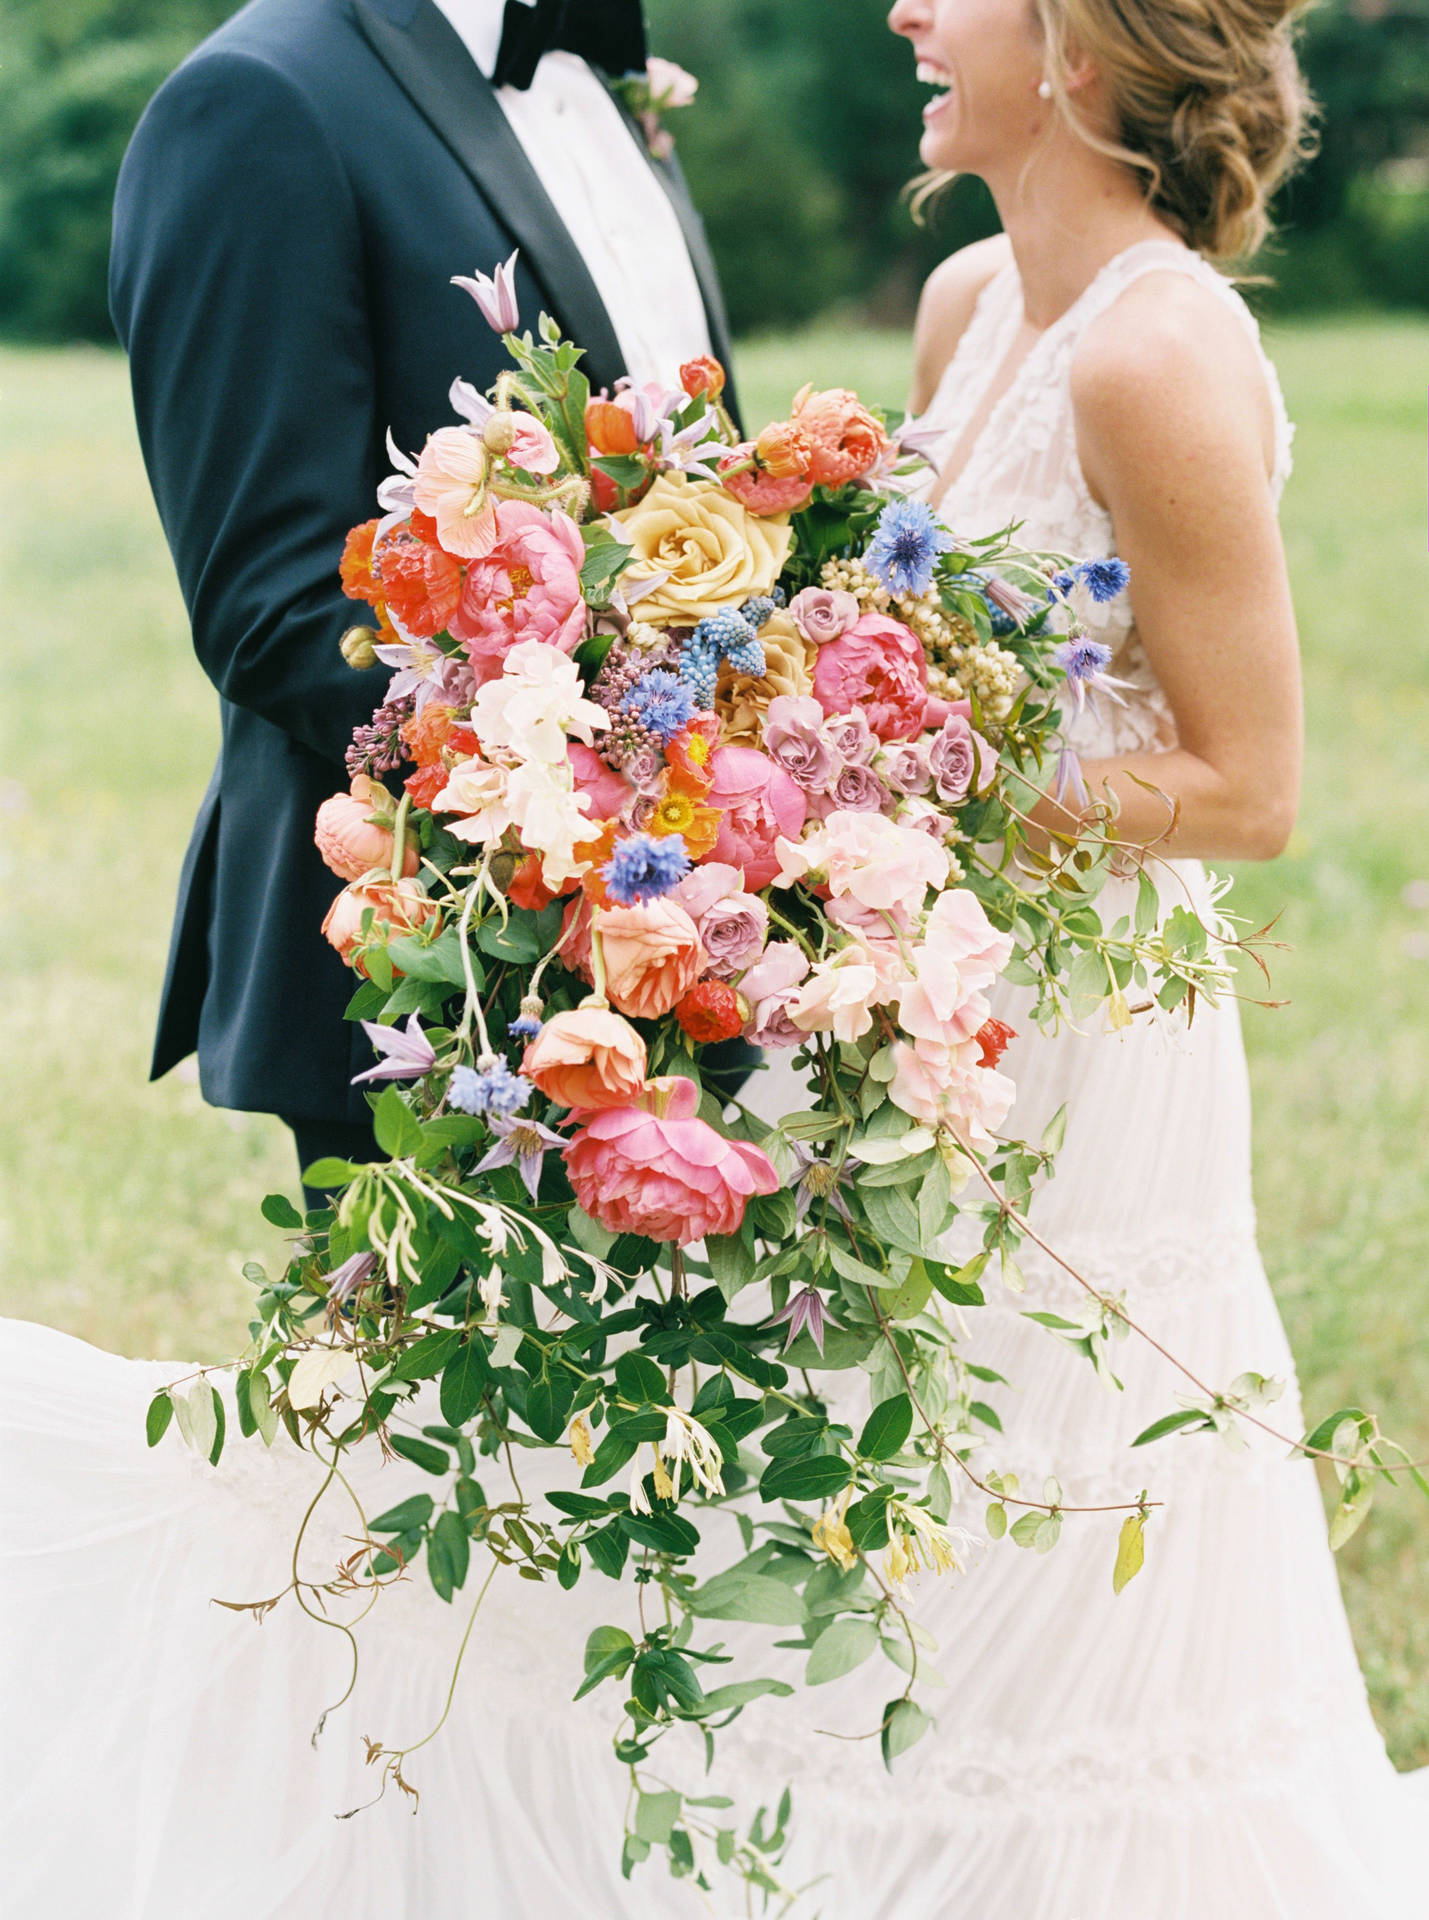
(236, 284)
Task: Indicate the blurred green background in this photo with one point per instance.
(130, 1210)
(808, 112)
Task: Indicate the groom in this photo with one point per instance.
(289, 216)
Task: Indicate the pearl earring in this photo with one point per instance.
(1044, 90)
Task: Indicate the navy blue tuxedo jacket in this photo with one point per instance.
(291, 210)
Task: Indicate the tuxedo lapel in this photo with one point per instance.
(425, 54)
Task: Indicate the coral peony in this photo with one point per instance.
(398, 907)
(703, 374)
(354, 831)
(589, 1058)
(845, 439)
(657, 1170)
(526, 588)
(877, 666)
(760, 804)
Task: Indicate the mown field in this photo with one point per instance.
(130, 1210)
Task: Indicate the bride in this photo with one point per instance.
(1202, 1742)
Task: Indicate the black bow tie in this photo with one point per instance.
(607, 33)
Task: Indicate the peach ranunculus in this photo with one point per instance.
(652, 954)
(452, 484)
(587, 1058)
(845, 439)
(741, 701)
(526, 586)
(398, 907)
(713, 551)
(354, 831)
(658, 1170)
(880, 863)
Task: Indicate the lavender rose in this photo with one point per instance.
(855, 789)
(795, 736)
(904, 766)
(852, 738)
(821, 614)
(960, 759)
(771, 987)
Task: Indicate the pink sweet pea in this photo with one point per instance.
(961, 955)
(840, 994)
(771, 988)
(875, 860)
(759, 804)
(936, 1086)
(527, 586)
(876, 665)
(533, 450)
(658, 1170)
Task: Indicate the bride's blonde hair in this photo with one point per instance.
(1206, 98)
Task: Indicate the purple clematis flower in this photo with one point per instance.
(471, 405)
(495, 294)
(806, 1310)
(820, 1180)
(406, 1052)
(524, 1142)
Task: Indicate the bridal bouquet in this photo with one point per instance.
(691, 741)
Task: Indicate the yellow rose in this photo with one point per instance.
(715, 552)
(741, 702)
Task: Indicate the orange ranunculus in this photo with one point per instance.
(359, 582)
(398, 907)
(711, 1011)
(845, 439)
(421, 583)
(690, 751)
(783, 450)
(526, 888)
(588, 1058)
(703, 374)
(757, 489)
(610, 428)
(680, 809)
(353, 832)
(424, 734)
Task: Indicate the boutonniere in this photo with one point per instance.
(659, 90)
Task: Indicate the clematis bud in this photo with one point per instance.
(495, 295)
(358, 647)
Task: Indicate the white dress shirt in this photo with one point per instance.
(604, 190)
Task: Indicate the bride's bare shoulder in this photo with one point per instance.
(949, 295)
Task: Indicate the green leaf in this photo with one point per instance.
(887, 1428)
(464, 1381)
(854, 1270)
(279, 1211)
(604, 562)
(749, 1596)
(548, 1401)
(814, 1479)
(156, 1420)
(518, 942)
(406, 1517)
(396, 1126)
(839, 1649)
(738, 1694)
(421, 1453)
(438, 961)
(247, 1425)
(662, 1529)
(960, 1288)
(892, 1216)
(867, 1521)
(1130, 1551)
(996, 1521)
(638, 1378)
(450, 1538)
(904, 1725)
(330, 1172)
(935, 1203)
(608, 1549)
(202, 1404)
(1055, 1131)
(1355, 1502)
(908, 1301)
(426, 1357)
(731, 1262)
(1148, 904)
(1168, 1423)
(655, 1817)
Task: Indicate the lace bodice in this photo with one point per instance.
(1023, 465)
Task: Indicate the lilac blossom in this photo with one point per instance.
(470, 404)
(1068, 783)
(406, 1052)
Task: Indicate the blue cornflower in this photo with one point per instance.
(1082, 659)
(490, 1087)
(1104, 579)
(643, 867)
(524, 1027)
(1061, 583)
(662, 702)
(905, 548)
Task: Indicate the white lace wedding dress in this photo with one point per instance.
(1199, 1745)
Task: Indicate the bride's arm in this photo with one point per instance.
(1176, 437)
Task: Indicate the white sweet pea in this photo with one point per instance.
(536, 706)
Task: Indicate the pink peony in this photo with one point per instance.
(657, 1170)
(759, 803)
(609, 792)
(771, 988)
(589, 1058)
(349, 833)
(527, 586)
(876, 665)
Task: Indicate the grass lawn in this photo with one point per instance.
(131, 1209)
